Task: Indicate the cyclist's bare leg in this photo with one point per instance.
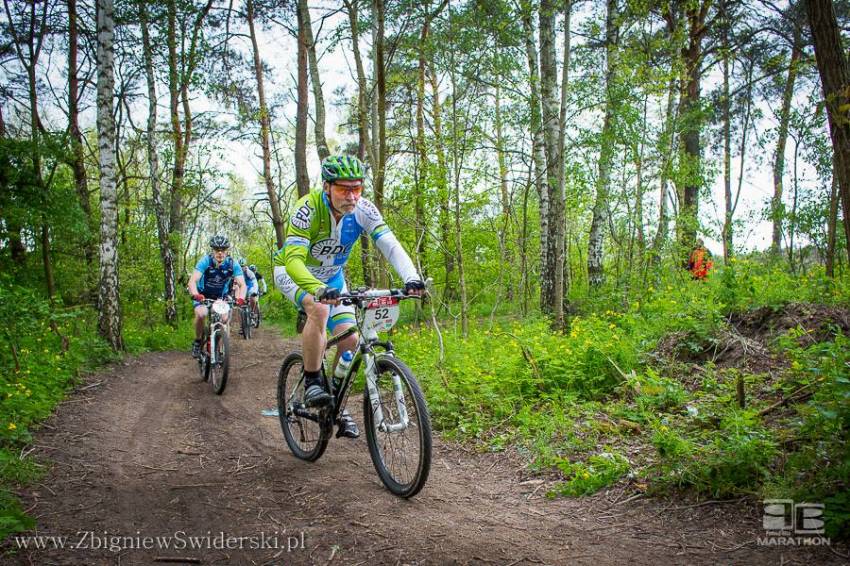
(200, 315)
(348, 343)
(313, 338)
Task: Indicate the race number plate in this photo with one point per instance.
(381, 314)
(221, 307)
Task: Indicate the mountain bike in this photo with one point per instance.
(256, 315)
(396, 419)
(246, 321)
(214, 360)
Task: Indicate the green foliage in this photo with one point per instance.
(584, 478)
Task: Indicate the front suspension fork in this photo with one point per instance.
(375, 399)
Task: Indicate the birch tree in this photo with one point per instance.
(109, 322)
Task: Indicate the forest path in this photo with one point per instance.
(145, 449)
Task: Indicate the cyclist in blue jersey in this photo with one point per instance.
(213, 275)
(251, 281)
(260, 281)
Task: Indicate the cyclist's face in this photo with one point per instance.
(219, 254)
(345, 194)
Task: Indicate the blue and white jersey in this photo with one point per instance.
(250, 279)
(215, 280)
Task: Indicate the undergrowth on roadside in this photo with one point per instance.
(603, 402)
(44, 351)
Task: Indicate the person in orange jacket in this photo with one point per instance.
(700, 263)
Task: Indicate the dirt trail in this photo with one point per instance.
(147, 450)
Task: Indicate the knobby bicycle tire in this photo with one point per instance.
(220, 370)
(419, 427)
(306, 438)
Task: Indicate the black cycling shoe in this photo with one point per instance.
(316, 396)
(347, 426)
(196, 349)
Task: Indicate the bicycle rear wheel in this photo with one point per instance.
(401, 454)
(220, 369)
(245, 321)
(306, 431)
(257, 315)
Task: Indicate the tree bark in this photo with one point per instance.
(365, 147)
(596, 241)
(781, 141)
(78, 164)
(538, 156)
(109, 323)
(835, 79)
(381, 105)
(831, 224)
(691, 159)
(727, 138)
(548, 82)
(162, 228)
(441, 181)
(421, 148)
(507, 226)
(315, 81)
(302, 177)
(265, 128)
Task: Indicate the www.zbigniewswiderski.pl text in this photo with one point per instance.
(180, 540)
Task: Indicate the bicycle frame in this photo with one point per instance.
(214, 323)
(365, 353)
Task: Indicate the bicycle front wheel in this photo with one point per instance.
(400, 447)
(306, 431)
(220, 369)
(246, 323)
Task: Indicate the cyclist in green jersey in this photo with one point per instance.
(320, 234)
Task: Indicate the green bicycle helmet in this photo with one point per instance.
(342, 168)
(242, 262)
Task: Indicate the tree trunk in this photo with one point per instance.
(265, 127)
(178, 168)
(381, 105)
(109, 323)
(421, 147)
(507, 227)
(458, 234)
(831, 224)
(365, 147)
(78, 162)
(835, 79)
(732, 204)
(318, 99)
(691, 159)
(665, 148)
(596, 241)
(565, 82)
(538, 156)
(550, 106)
(165, 252)
(180, 75)
(781, 140)
(726, 234)
(441, 181)
(302, 177)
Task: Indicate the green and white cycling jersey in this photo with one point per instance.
(317, 246)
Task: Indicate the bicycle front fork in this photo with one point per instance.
(375, 399)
